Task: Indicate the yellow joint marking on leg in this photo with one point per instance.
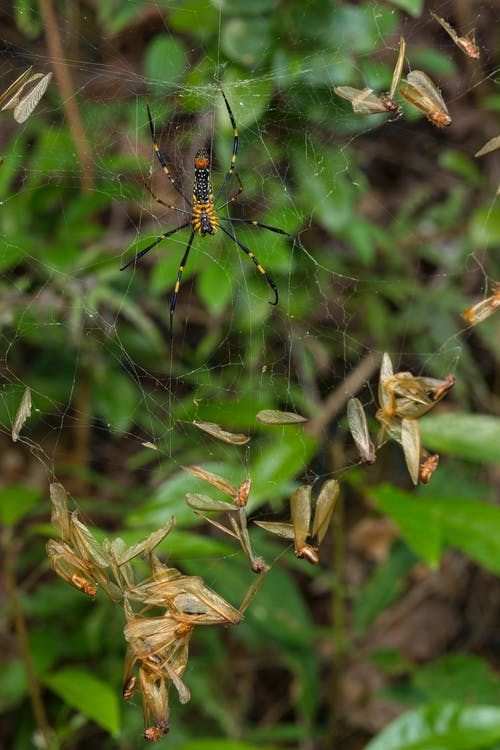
(166, 170)
(155, 146)
(255, 223)
(181, 269)
(233, 158)
(251, 255)
(176, 287)
(260, 268)
(235, 132)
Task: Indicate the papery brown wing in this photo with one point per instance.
(324, 507)
(300, 509)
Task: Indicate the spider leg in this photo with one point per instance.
(234, 197)
(179, 277)
(162, 203)
(252, 223)
(235, 147)
(153, 244)
(259, 267)
(159, 155)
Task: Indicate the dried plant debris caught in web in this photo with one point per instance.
(356, 419)
(306, 539)
(237, 528)
(420, 91)
(216, 431)
(403, 399)
(366, 102)
(23, 413)
(482, 310)
(466, 43)
(22, 103)
(157, 646)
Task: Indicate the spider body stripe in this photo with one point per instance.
(203, 217)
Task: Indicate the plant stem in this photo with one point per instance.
(23, 642)
(56, 52)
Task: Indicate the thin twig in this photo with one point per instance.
(338, 398)
(56, 52)
(23, 641)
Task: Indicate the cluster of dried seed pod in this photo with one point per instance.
(157, 646)
(403, 399)
(418, 89)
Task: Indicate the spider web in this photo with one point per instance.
(122, 378)
(386, 247)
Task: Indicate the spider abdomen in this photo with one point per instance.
(205, 220)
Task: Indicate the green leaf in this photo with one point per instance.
(413, 7)
(461, 677)
(87, 694)
(218, 744)
(475, 437)
(164, 62)
(243, 7)
(444, 726)
(16, 502)
(419, 528)
(215, 287)
(247, 41)
(428, 523)
(485, 226)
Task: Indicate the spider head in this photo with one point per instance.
(201, 159)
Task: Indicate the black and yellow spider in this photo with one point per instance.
(203, 218)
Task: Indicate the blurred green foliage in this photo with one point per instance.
(394, 227)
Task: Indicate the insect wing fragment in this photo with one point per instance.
(226, 437)
(23, 413)
(300, 508)
(60, 515)
(420, 91)
(214, 479)
(285, 530)
(482, 310)
(489, 146)
(197, 501)
(410, 440)
(398, 68)
(465, 43)
(272, 416)
(359, 430)
(26, 106)
(146, 546)
(363, 101)
(324, 508)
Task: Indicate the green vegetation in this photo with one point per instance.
(390, 641)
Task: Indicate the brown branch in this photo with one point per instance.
(56, 52)
(338, 398)
(23, 641)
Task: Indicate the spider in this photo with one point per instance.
(204, 217)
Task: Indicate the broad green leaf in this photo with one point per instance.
(430, 523)
(218, 744)
(422, 532)
(442, 726)
(243, 7)
(87, 694)
(15, 502)
(247, 41)
(215, 287)
(164, 62)
(461, 677)
(475, 437)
